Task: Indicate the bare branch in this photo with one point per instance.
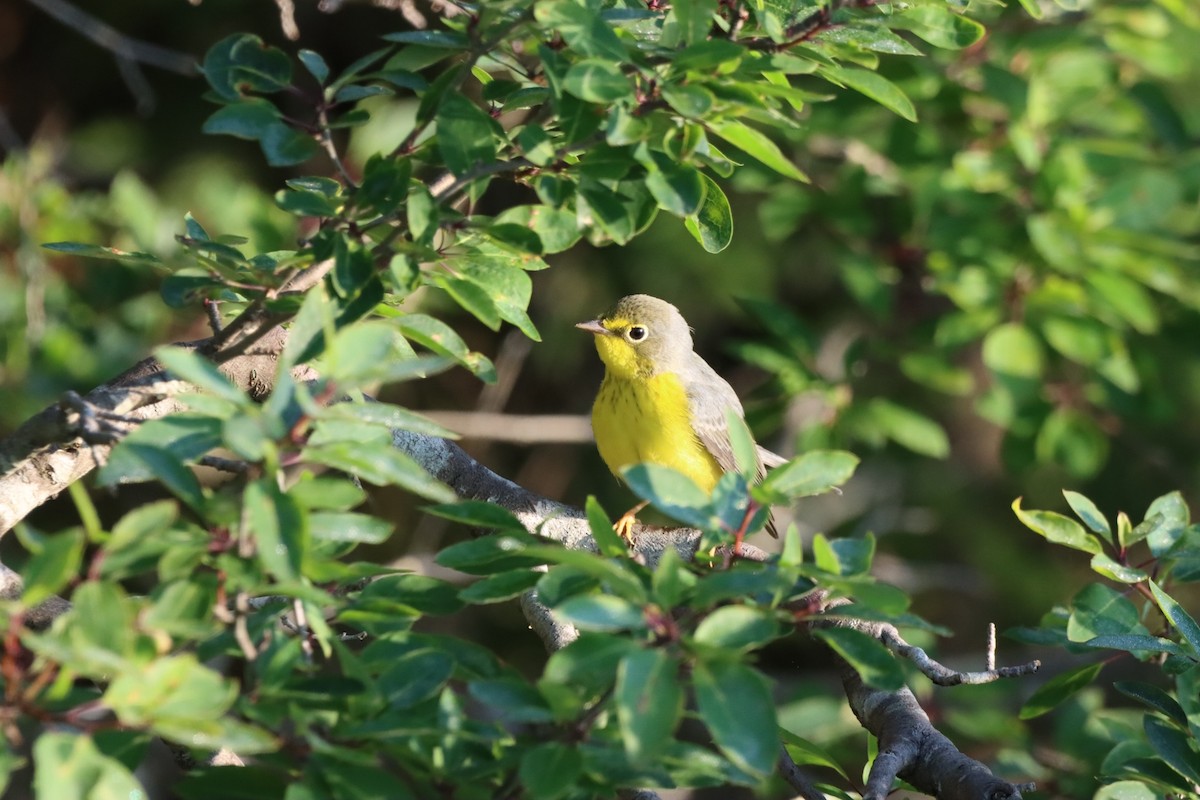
(795, 777)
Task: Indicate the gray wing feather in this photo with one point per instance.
(709, 396)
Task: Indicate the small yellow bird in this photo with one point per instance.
(660, 402)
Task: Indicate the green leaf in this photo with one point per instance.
(601, 612)
(1011, 349)
(501, 586)
(845, 555)
(939, 26)
(1087, 511)
(550, 770)
(513, 699)
(735, 703)
(712, 225)
(582, 27)
(248, 119)
(414, 677)
(804, 752)
(1154, 697)
(242, 63)
(874, 86)
(108, 253)
(68, 765)
(380, 464)
(1180, 619)
(910, 429)
(466, 134)
(649, 700)
(314, 63)
(733, 628)
(597, 81)
(478, 514)
(1174, 747)
(135, 460)
(815, 472)
(56, 560)
(873, 662)
(189, 366)
(1120, 790)
(1099, 610)
(419, 592)
(486, 555)
(607, 540)
(1171, 516)
(279, 527)
(757, 144)
(1057, 528)
(1135, 643)
(1070, 437)
(344, 526)
(670, 491)
(1115, 570)
(1052, 693)
(171, 694)
(441, 339)
(689, 99)
(678, 188)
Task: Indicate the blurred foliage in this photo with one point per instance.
(1021, 258)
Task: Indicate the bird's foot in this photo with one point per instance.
(624, 525)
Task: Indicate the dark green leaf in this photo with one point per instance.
(874, 86)
(314, 63)
(56, 560)
(733, 628)
(415, 676)
(874, 663)
(466, 134)
(1086, 510)
(242, 63)
(601, 612)
(735, 703)
(814, 472)
(649, 700)
(381, 464)
(607, 540)
(550, 770)
(757, 144)
(1154, 697)
(1052, 693)
(502, 586)
(597, 81)
(279, 527)
(1180, 619)
(712, 225)
(670, 491)
(1174, 747)
(1057, 528)
(248, 119)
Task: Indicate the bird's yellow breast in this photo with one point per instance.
(646, 419)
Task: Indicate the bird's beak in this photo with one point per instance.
(594, 326)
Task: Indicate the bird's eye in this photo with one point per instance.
(636, 333)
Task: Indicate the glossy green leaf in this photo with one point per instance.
(757, 144)
(649, 701)
(279, 527)
(601, 612)
(1057, 528)
(733, 628)
(874, 86)
(735, 704)
(873, 662)
(812, 473)
(550, 770)
(712, 225)
(1180, 619)
(1055, 691)
(1087, 511)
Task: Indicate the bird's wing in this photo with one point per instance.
(709, 397)
(769, 458)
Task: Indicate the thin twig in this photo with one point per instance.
(114, 41)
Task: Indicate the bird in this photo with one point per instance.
(660, 402)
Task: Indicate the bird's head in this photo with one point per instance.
(641, 336)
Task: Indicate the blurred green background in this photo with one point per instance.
(998, 300)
